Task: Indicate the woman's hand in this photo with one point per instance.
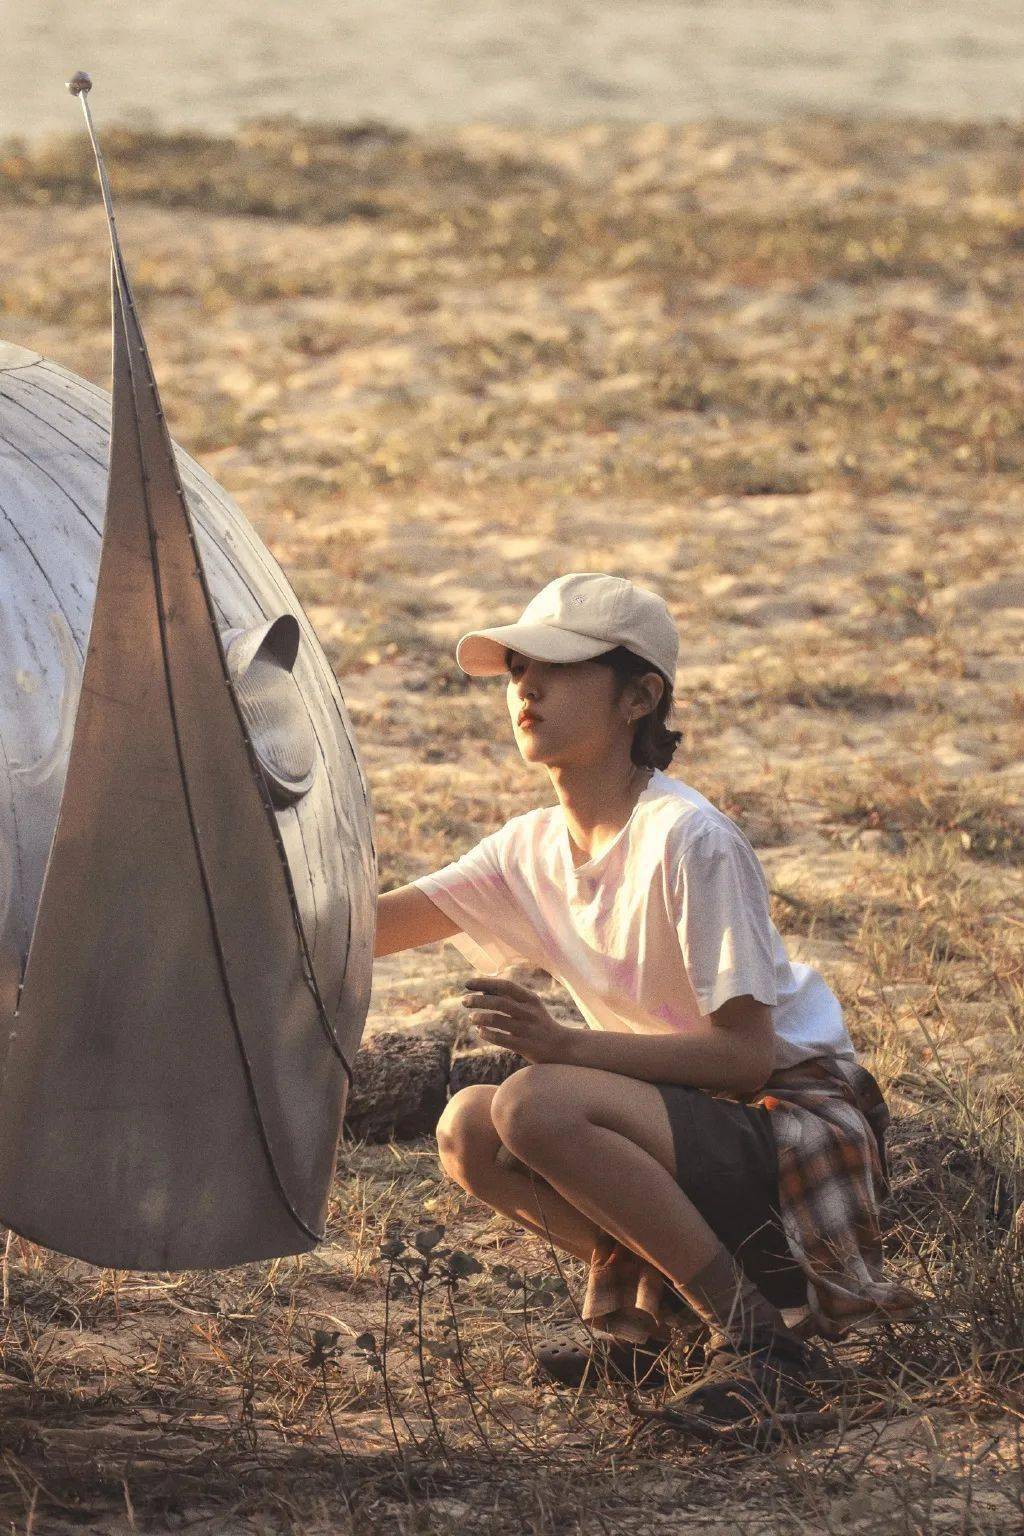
(513, 1016)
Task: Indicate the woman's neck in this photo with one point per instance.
(597, 802)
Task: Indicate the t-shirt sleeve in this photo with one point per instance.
(475, 894)
(724, 920)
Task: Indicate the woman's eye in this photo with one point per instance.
(515, 669)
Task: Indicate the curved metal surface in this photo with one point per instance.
(54, 445)
(199, 966)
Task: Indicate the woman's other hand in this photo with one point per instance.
(512, 1016)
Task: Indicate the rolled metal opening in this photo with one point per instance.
(260, 662)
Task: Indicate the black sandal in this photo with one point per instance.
(773, 1384)
(639, 1366)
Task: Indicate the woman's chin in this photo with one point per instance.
(532, 752)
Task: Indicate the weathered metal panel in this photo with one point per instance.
(126, 1107)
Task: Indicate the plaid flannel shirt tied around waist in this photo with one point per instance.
(829, 1119)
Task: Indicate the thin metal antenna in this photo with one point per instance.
(80, 85)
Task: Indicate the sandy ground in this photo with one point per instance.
(214, 63)
(775, 374)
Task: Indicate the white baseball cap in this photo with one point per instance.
(575, 618)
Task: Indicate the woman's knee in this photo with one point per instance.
(531, 1106)
(465, 1133)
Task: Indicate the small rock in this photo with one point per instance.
(881, 840)
(481, 1064)
(821, 953)
(766, 611)
(984, 596)
(959, 756)
(400, 1085)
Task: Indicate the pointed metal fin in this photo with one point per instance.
(173, 1090)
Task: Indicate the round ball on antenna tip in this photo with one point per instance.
(79, 83)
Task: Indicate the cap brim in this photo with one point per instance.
(482, 653)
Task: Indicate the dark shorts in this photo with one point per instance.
(727, 1164)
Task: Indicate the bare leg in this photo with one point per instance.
(604, 1142)
(467, 1145)
(617, 1185)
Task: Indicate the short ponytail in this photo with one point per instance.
(654, 745)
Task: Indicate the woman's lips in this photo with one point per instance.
(525, 721)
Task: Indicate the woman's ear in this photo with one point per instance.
(647, 693)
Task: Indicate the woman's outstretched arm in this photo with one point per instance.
(406, 919)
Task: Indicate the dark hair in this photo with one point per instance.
(653, 744)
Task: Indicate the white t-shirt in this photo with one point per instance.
(669, 921)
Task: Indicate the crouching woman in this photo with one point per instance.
(711, 1131)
